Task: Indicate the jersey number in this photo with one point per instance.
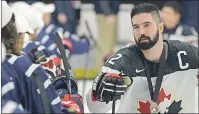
(180, 53)
(114, 58)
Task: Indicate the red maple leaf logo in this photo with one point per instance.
(145, 107)
(162, 95)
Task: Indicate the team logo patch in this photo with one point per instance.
(165, 105)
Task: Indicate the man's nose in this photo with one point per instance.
(142, 30)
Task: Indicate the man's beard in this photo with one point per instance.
(147, 44)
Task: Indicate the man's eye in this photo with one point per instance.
(136, 27)
(146, 25)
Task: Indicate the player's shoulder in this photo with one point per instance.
(28, 46)
(175, 45)
(19, 62)
(185, 26)
(184, 52)
(124, 60)
(187, 30)
(129, 51)
(125, 54)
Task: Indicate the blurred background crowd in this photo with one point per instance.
(96, 29)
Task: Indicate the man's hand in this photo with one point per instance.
(62, 19)
(107, 86)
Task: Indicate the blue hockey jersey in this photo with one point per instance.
(19, 85)
(80, 44)
(46, 34)
(28, 46)
(45, 37)
(8, 106)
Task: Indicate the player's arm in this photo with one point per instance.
(109, 84)
(57, 96)
(57, 104)
(73, 103)
(58, 78)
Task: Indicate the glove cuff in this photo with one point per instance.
(72, 105)
(73, 101)
(92, 96)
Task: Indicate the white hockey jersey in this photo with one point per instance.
(178, 92)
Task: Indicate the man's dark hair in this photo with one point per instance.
(9, 35)
(146, 8)
(174, 5)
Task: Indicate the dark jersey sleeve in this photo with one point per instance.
(9, 106)
(195, 52)
(45, 37)
(186, 55)
(29, 46)
(31, 100)
(125, 61)
(10, 88)
(114, 63)
(187, 30)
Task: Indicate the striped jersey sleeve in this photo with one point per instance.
(31, 100)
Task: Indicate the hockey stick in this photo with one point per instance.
(44, 99)
(87, 60)
(86, 65)
(97, 45)
(67, 66)
(92, 38)
(114, 102)
(113, 106)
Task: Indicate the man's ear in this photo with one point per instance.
(178, 16)
(21, 40)
(161, 27)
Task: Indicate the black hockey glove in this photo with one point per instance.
(58, 76)
(109, 86)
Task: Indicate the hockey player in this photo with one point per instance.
(26, 83)
(46, 34)
(174, 29)
(163, 72)
(80, 44)
(37, 53)
(33, 21)
(8, 106)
